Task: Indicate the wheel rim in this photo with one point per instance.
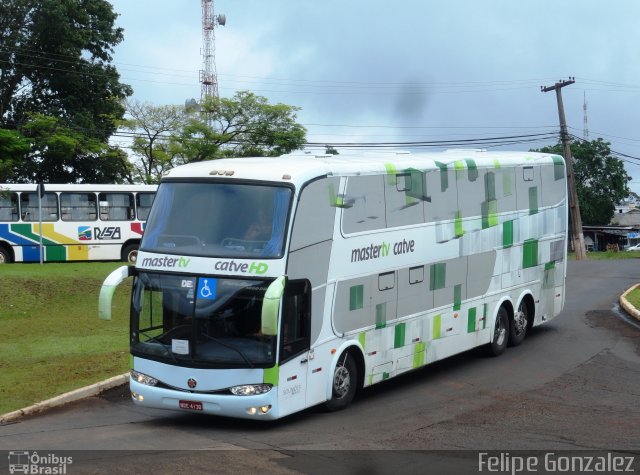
(341, 381)
(3, 260)
(133, 256)
(501, 331)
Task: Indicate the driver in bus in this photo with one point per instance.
(260, 229)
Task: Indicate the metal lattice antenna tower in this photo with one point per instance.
(585, 128)
(208, 76)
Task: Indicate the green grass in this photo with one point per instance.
(52, 341)
(633, 298)
(607, 255)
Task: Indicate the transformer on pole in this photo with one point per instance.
(208, 77)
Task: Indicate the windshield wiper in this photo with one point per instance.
(155, 339)
(231, 347)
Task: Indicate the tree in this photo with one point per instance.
(601, 180)
(330, 150)
(155, 128)
(55, 57)
(51, 145)
(241, 126)
(13, 146)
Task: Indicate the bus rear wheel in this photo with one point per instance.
(345, 382)
(500, 333)
(519, 324)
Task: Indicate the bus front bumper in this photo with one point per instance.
(262, 406)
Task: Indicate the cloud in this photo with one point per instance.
(474, 64)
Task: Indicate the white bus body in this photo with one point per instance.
(79, 222)
(369, 267)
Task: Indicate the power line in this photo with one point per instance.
(358, 92)
(74, 58)
(621, 156)
(608, 135)
(428, 127)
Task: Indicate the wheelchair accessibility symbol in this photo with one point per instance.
(207, 289)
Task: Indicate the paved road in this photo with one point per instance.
(574, 384)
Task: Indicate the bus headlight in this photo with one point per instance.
(143, 378)
(250, 389)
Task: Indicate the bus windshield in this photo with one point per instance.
(218, 220)
(200, 321)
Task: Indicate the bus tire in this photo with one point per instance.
(519, 324)
(5, 255)
(344, 384)
(500, 333)
(130, 253)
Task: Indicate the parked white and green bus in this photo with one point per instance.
(79, 222)
(265, 286)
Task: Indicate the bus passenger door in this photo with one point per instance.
(295, 332)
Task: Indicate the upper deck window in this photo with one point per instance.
(218, 220)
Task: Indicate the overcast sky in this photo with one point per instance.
(404, 71)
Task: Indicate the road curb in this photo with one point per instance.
(66, 398)
(624, 303)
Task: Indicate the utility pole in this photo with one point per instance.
(574, 205)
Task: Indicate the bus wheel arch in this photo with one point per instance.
(501, 325)
(6, 254)
(522, 320)
(347, 375)
(129, 252)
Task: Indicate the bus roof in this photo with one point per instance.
(77, 188)
(300, 168)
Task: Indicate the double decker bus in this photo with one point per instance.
(265, 286)
(79, 222)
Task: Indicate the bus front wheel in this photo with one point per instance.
(344, 384)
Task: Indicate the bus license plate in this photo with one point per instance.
(192, 405)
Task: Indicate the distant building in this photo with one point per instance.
(624, 229)
(630, 217)
(596, 238)
(627, 212)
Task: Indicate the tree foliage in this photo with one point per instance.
(13, 146)
(601, 180)
(55, 57)
(154, 149)
(241, 126)
(245, 125)
(51, 145)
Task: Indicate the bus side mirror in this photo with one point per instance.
(271, 307)
(109, 287)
